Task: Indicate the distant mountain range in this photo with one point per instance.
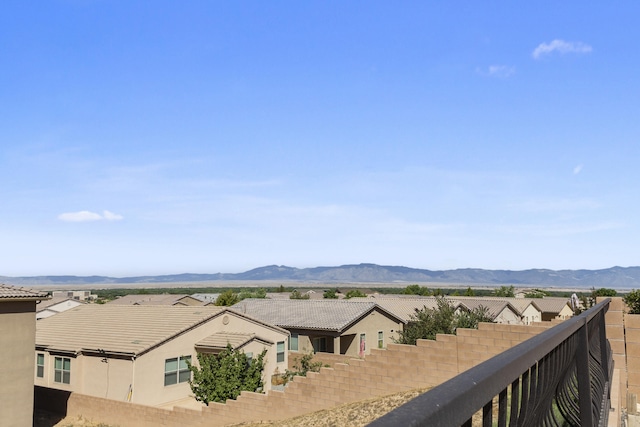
(614, 277)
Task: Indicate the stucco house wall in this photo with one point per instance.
(140, 379)
(17, 338)
(531, 314)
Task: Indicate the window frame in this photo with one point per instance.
(60, 374)
(280, 352)
(40, 365)
(295, 337)
(181, 372)
(380, 339)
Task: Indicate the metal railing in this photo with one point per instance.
(560, 377)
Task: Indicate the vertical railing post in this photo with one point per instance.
(604, 353)
(584, 380)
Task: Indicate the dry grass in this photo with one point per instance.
(349, 415)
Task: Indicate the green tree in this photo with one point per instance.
(281, 289)
(536, 293)
(505, 291)
(355, 293)
(469, 292)
(225, 375)
(297, 295)
(603, 292)
(259, 293)
(470, 319)
(227, 299)
(416, 290)
(632, 299)
(302, 365)
(330, 294)
(428, 322)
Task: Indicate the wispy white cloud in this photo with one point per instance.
(577, 169)
(87, 216)
(560, 46)
(501, 71)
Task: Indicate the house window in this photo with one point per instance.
(40, 365)
(363, 344)
(62, 370)
(380, 339)
(176, 370)
(320, 345)
(293, 342)
(280, 354)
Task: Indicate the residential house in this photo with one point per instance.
(77, 295)
(331, 326)
(17, 337)
(140, 353)
(555, 308)
(56, 305)
(526, 308)
(157, 299)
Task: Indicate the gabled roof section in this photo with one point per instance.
(219, 340)
(326, 315)
(404, 307)
(12, 293)
(56, 300)
(552, 305)
(148, 299)
(128, 330)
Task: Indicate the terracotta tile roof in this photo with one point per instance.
(12, 293)
(56, 300)
(551, 304)
(118, 329)
(327, 315)
(403, 306)
(148, 299)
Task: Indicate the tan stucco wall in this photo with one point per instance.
(531, 314)
(370, 325)
(509, 317)
(17, 339)
(112, 379)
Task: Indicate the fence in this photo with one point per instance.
(557, 378)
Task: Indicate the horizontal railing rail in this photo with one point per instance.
(560, 377)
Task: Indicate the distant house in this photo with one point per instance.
(77, 295)
(17, 337)
(328, 326)
(157, 299)
(526, 308)
(555, 308)
(56, 305)
(140, 353)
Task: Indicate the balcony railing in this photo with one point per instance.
(560, 377)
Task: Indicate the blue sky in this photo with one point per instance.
(168, 137)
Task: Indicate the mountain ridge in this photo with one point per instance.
(613, 277)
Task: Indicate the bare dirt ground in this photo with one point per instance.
(349, 415)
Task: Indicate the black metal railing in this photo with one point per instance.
(560, 377)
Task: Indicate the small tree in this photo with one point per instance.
(330, 294)
(355, 293)
(470, 319)
(227, 299)
(632, 299)
(297, 295)
(426, 323)
(302, 365)
(469, 292)
(224, 376)
(505, 291)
